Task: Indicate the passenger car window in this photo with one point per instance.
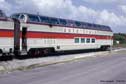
(33, 18)
(54, 21)
(76, 40)
(93, 40)
(78, 24)
(82, 40)
(44, 19)
(89, 25)
(71, 23)
(15, 16)
(63, 22)
(84, 25)
(88, 40)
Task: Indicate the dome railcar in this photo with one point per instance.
(32, 34)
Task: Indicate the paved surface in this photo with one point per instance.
(109, 69)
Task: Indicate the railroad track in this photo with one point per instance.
(21, 57)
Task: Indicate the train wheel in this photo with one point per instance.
(105, 48)
(46, 51)
(40, 52)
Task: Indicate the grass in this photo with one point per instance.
(119, 45)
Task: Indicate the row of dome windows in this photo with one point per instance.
(62, 22)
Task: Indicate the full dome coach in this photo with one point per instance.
(32, 34)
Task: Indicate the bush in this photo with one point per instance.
(120, 37)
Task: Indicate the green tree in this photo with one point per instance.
(120, 37)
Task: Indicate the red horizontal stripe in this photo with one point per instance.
(31, 34)
(63, 36)
(6, 33)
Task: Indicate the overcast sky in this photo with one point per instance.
(107, 12)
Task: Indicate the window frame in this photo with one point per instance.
(77, 40)
(82, 40)
(45, 20)
(77, 22)
(93, 40)
(32, 19)
(54, 21)
(15, 16)
(70, 23)
(62, 22)
(88, 40)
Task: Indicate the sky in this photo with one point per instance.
(105, 12)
